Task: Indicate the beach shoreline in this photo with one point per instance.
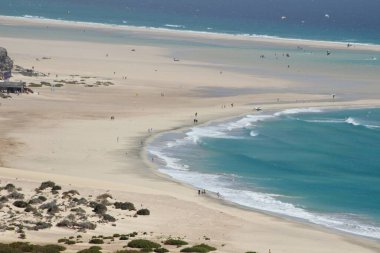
(68, 135)
(154, 165)
(31, 21)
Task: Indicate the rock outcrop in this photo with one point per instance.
(6, 63)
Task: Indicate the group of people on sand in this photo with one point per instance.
(201, 192)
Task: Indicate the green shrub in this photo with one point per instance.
(161, 250)
(133, 234)
(251, 252)
(116, 235)
(124, 206)
(175, 242)
(47, 184)
(15, 195)
(62, 240)
(42, 225)
(96, 241)
(56, 188)
(108, 217)
(42, 198)
(20, 204)
(123, 238)
(23, 246)
(70, 242)
(92, 249)
(10, 187)
(143, 244)
(201, 248)
(100, 209)
(3, 199)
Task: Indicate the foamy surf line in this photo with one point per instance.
(181, 29)
(224, 184)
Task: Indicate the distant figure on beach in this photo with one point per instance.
(196, 114)
(218, 195)
(203, 191)
(199, 192)
(328, 52)
(195, 121)
(333, 96)
(112, 117)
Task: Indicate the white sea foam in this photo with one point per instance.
(269, 202)
(222, 130)
(175, 26)
(297, 111)
(169, 162)
(352, 121)
(253, 133)
(356, 122)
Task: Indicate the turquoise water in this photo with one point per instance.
(344, 20)
(319, 166)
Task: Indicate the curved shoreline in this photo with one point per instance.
(153, 167)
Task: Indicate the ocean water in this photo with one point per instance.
(313, 165)
(344, 20)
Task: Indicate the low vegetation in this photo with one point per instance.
(143, 212)
(175, 242)
(93, 249)
(143, 244)
(201, 248)
(96, 241)
(20, 247)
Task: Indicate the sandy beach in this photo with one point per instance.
(66, 134)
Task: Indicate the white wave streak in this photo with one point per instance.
(169, 162)
(325, 121)
(222, 184)
(297, 110)
(222, 130)
(352, 121)
(356, 122)
(174, 26)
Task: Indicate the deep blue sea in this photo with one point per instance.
(318, 166)
(343, 20)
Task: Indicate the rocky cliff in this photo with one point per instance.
(6, 63)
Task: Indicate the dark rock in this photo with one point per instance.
(143, 212)
(6, 63)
